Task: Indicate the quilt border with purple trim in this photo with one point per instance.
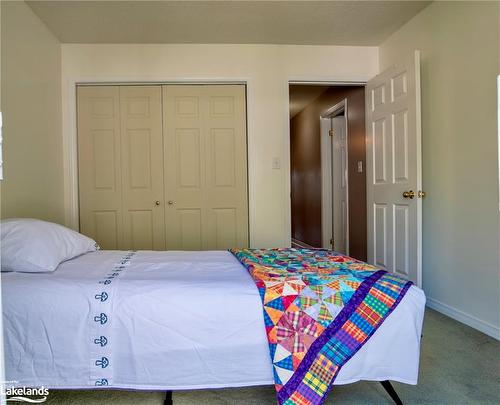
(320, 308)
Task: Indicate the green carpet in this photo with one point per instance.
(458, 366)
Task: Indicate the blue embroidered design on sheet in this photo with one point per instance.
(102, 319)
(102, 296)
(99, 340)
(103, 362)
(101, 382)
(102, 340)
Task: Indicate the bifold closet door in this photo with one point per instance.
(142, 167)
(99, 165)
(205, 166)
(120, 162)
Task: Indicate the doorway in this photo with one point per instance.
(327, 158)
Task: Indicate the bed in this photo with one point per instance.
(168, 321)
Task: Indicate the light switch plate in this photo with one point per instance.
(276, 163)
(360, 166)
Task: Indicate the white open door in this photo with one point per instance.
(394, 171)
(339, 185)
(334, 178)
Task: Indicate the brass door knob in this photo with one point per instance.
(157, 202)
(421, 194)
(409, 194)
(170, 202)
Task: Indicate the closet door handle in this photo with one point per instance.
(157, 202)
(171, 202)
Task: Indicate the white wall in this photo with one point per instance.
(2, 366)
(31, 101)
(460, 50)
(265, 68)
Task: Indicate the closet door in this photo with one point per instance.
(99, 165)
(205, 166)
(142, 167)
(120, 161)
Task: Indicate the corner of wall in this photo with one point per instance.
(31, 87)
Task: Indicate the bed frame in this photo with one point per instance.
(386, 384)
(391, 391)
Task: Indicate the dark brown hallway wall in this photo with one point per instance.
(305, 160)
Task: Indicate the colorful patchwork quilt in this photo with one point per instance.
(320, 307)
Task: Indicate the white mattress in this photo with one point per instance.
(175, 320)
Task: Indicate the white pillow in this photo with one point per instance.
(31, 245)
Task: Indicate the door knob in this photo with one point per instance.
(170, 202)
(157, 202)
(421, 194)
(409, 194)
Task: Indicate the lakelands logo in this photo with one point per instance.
(26, 394)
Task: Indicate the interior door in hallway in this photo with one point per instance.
(339, 185)
(205, 166)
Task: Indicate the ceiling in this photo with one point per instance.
(242, 22)
(303, 95)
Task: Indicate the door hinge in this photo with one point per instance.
(330, 132)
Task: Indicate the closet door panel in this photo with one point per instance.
(184, 168)
(99, 165)
(226, 169)
(142, 164)
(205, 166)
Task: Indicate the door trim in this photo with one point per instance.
(70, 135)
(337, 109)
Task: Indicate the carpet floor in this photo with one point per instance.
(459, 365)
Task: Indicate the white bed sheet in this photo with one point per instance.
(175, 320)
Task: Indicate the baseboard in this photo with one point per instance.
(460, 316)
(301, 244)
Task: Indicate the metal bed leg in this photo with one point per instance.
(168, 398)
(391, 391)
